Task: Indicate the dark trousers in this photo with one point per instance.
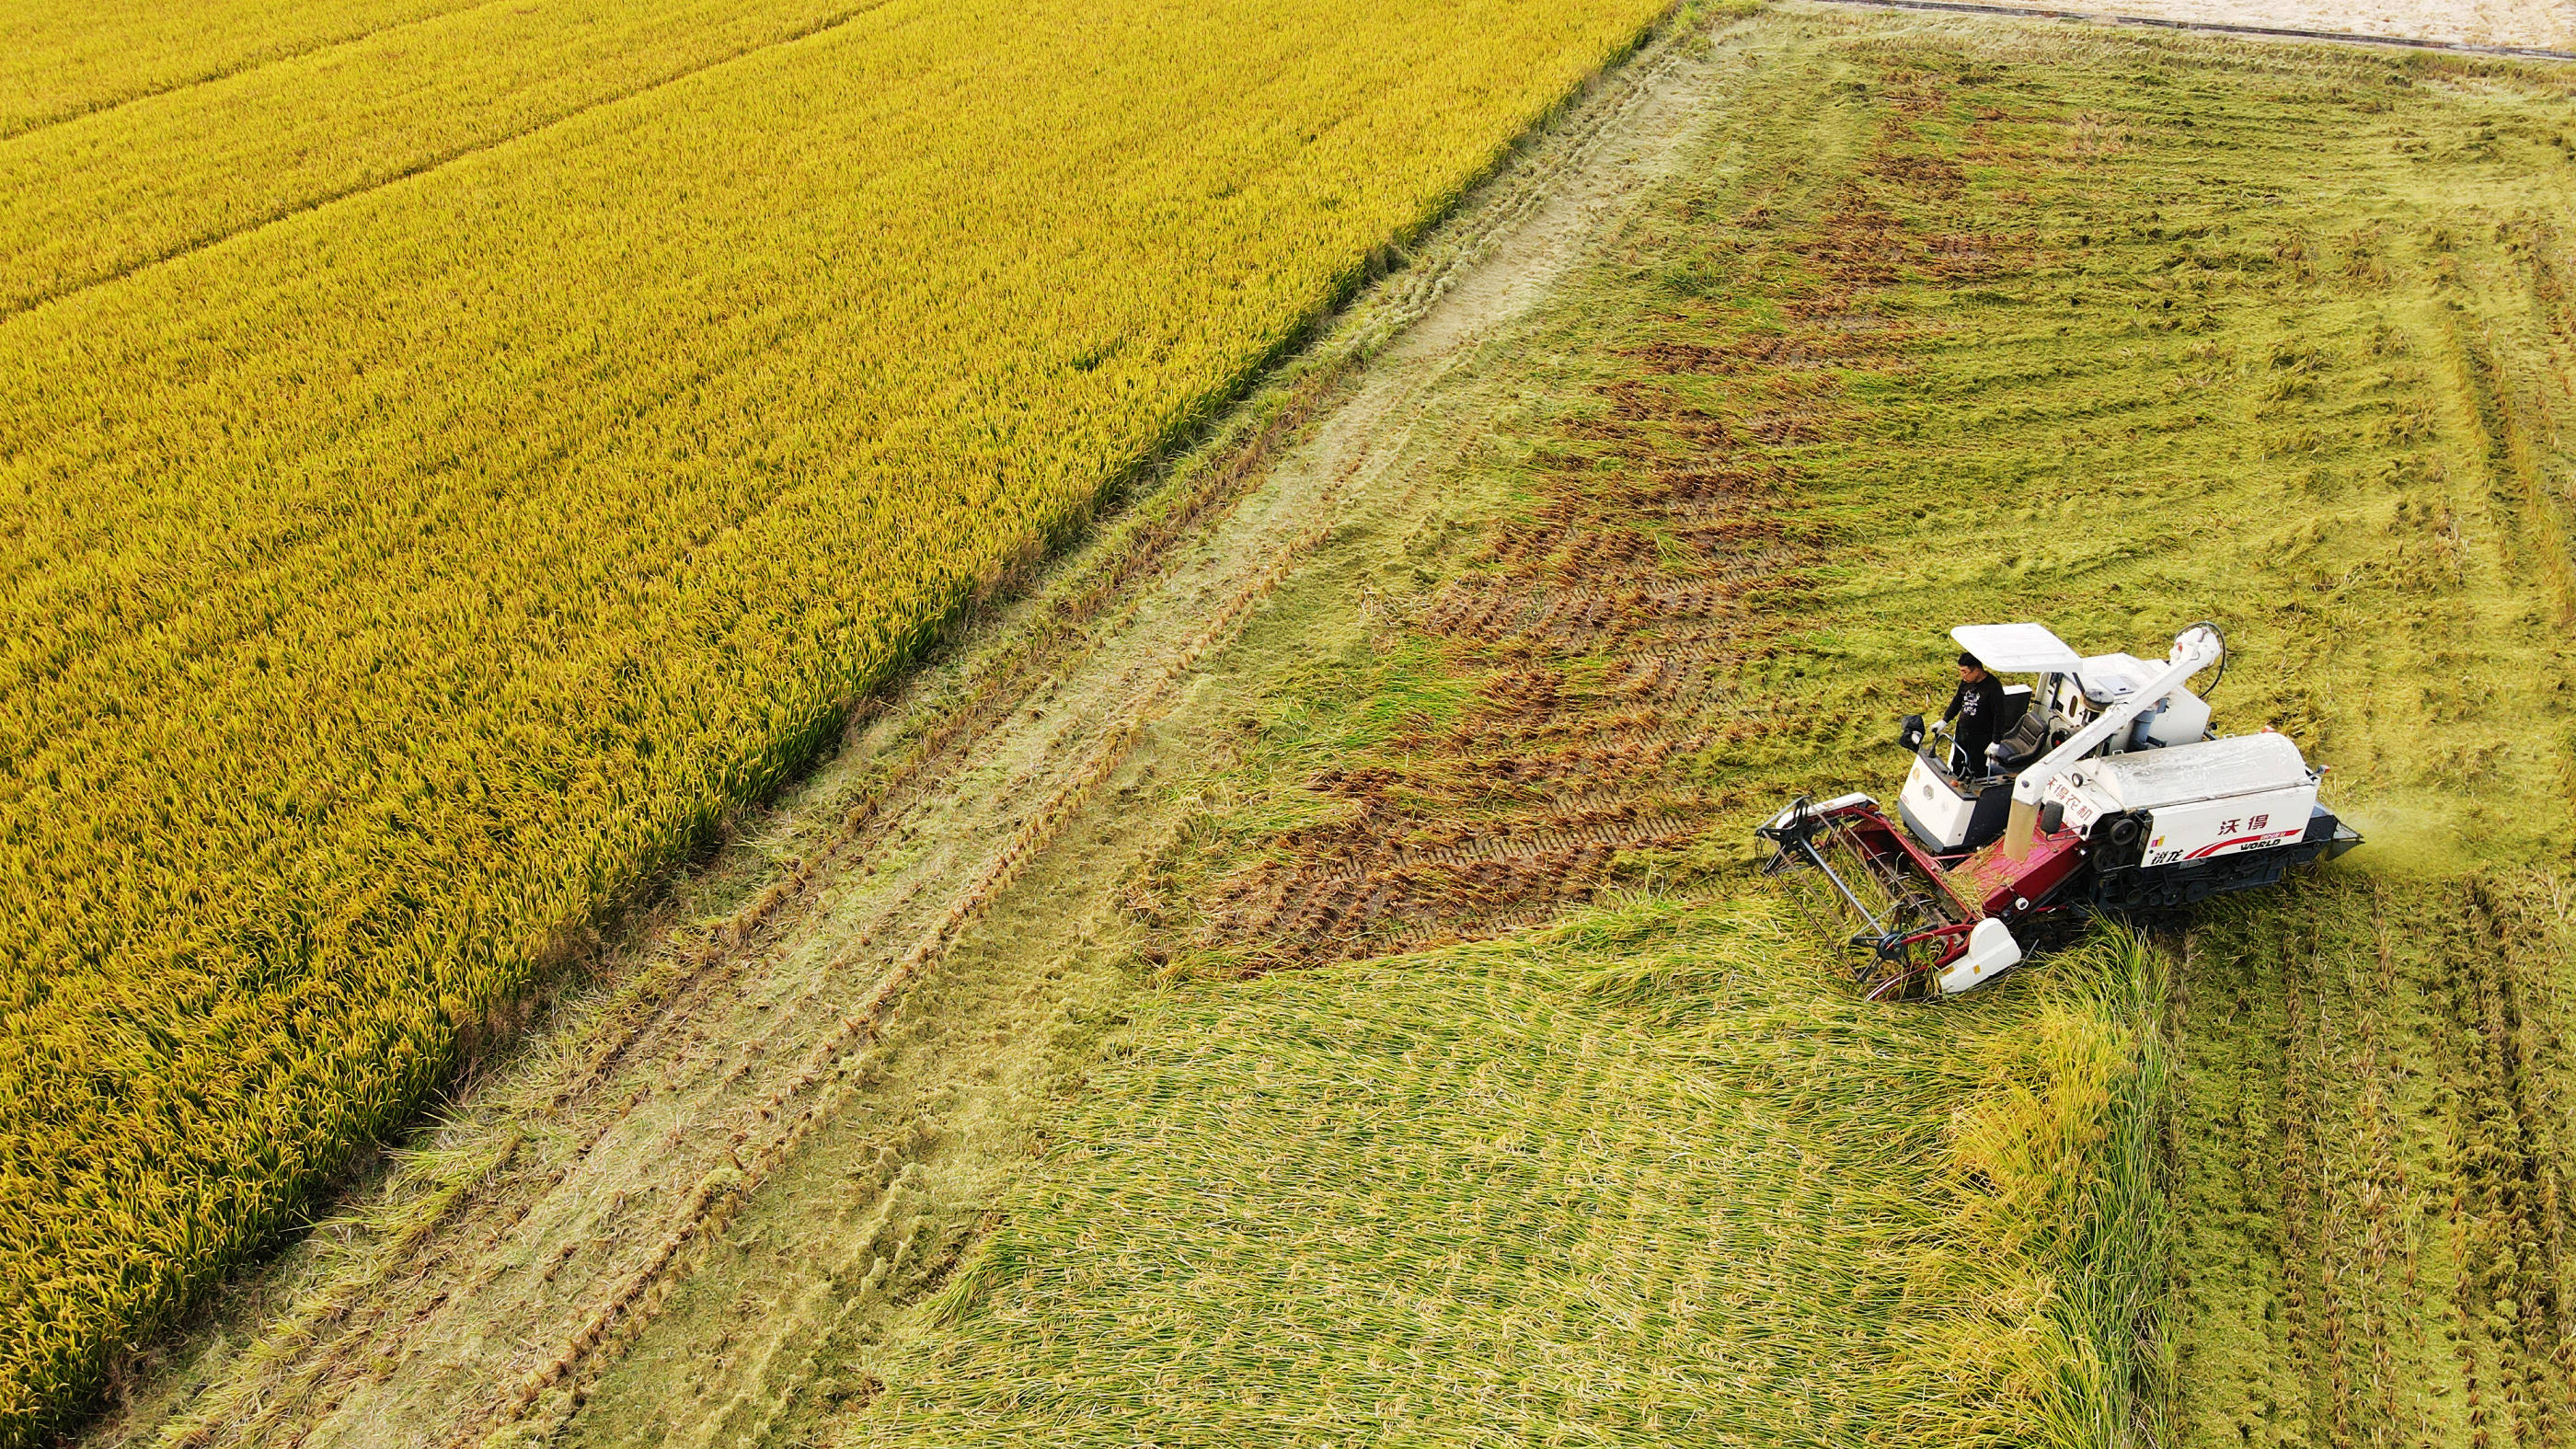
(1969, 761)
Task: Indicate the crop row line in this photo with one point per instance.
(253, 60)
(200, 241)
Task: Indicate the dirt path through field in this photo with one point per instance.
(2538, 24)
(2549, 24)
(746, 1160)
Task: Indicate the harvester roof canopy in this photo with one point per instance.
(2016, 648)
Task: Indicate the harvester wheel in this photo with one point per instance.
(1903, 986)
(1899, 970)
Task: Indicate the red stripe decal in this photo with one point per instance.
(2239, 840)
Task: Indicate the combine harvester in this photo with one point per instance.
(2105, 789)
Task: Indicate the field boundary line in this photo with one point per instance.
(1307, 390)
(637, 1299)
(2216, 27)
(1307, 393)
(207, 240)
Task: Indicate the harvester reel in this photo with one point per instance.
(1839, 880)
(1902, 961)
(1898, 968)
(1794, 840)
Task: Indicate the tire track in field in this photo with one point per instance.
(632, 1155)
(817, 1085)
(433, 161)
(1603, 630)
(677, 998)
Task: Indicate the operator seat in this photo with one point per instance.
(2019, 732)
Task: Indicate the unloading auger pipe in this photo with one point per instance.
(2194, 650)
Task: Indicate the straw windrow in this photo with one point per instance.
(1651, 1174)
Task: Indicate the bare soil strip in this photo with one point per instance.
(2189, 18)
(2539, 28)
(780, 1126)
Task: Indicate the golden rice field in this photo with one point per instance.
(493, 446)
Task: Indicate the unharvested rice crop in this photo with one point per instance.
(62, 58)
(393, 586)
(127, 185)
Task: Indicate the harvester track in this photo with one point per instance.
(1667, 549)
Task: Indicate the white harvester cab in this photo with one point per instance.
(1952, 804)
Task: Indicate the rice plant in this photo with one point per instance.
(144, 178)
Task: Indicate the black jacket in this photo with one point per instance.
(1976, 706)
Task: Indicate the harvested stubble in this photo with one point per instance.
(1649, 1178)
(2378, 1215)
(1966, 321)
(1932, 349)
(395, 585)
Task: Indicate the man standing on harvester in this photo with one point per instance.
(1976, 706)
